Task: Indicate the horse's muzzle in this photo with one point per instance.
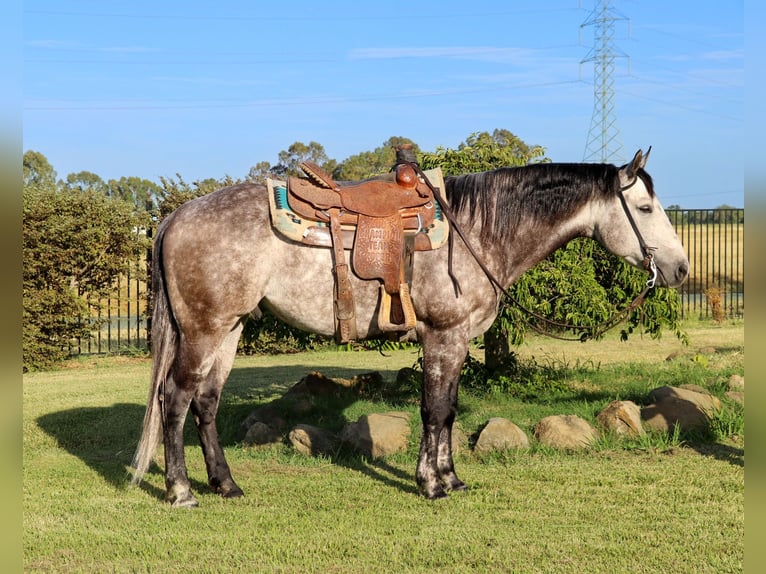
(678, 275)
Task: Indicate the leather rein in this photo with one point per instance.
(590, 331)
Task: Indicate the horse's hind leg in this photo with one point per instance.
(188, 376)
(204, 407)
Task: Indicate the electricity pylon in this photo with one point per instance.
(603, 144)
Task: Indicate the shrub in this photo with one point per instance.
(75, 244)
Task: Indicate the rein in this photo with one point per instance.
(591, 331)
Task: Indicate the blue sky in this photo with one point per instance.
(206, 89)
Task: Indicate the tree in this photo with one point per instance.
(259, 172)
(37, 171)
(369, 163)
(141, 193)
(290, 159)
(173, 193)
(580, 284)
(75, 244)
(482, 152)
(85, 181)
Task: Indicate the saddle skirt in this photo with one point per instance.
(382, 221)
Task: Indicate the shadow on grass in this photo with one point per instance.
(727, 453)
(105, 438)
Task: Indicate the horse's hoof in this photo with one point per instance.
(227, 489)
(459, 487)
(185, 502)
(440, 495)
(235, 492)
(436, 493)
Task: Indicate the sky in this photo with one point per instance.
(203, 89)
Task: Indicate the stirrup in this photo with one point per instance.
(384, 313)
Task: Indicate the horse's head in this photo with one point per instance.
(635, 227)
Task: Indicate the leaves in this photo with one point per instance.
(75, 245)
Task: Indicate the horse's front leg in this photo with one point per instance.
(443, 356)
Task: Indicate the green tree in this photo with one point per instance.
(85, 181)
(291, 158)
(141, 193)
(580, 284)
(37, 171)
(369, 163)
(75, 244)
(172, 193)
(482, 151)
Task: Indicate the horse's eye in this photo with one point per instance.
(645, 209)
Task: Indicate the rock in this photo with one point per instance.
(687, 408)
(500, 434)
(312, 441)
(736, 396)
(260, 433)
(270, 415)
(565, 431)
(315, 384)
(378, 435)
(622, 418)
(459, 439)
(736, 383)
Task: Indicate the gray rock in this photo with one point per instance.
(260, 433)
(378, 435)
(500, 434)
(622, 418)
(736, 383)
(687, 408)
(565, 431)
(313, 441)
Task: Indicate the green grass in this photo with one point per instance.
(654, 504)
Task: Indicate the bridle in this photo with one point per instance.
(646, 250)
(590, 331)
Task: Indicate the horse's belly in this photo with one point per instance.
(301, 289)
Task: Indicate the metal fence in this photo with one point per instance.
(715, 243)
(714, 240)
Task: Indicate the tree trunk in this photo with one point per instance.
(497, 349)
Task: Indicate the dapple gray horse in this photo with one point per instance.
(217, 259)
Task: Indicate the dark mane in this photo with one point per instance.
(546, 192)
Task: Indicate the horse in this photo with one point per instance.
(217, 260)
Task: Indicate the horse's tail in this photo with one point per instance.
(164, 343)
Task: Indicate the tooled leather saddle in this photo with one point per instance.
(382, 221)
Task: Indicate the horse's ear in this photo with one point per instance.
(639, 162)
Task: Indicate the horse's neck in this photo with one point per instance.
(523, 247)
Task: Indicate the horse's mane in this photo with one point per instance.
(546, 193)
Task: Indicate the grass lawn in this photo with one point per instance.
(660, 504)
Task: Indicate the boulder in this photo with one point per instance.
(565, 431)
(736, 397)
(269, 415)
(736, 383)
(622, 418)
(378, 435)
(260, 433)
(316, 384)
(689, 408)
(500, 434)
(313, 441)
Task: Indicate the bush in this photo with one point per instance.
(75, 244)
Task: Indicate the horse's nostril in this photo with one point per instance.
(683, 271)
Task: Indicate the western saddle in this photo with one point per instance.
(380, 220)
